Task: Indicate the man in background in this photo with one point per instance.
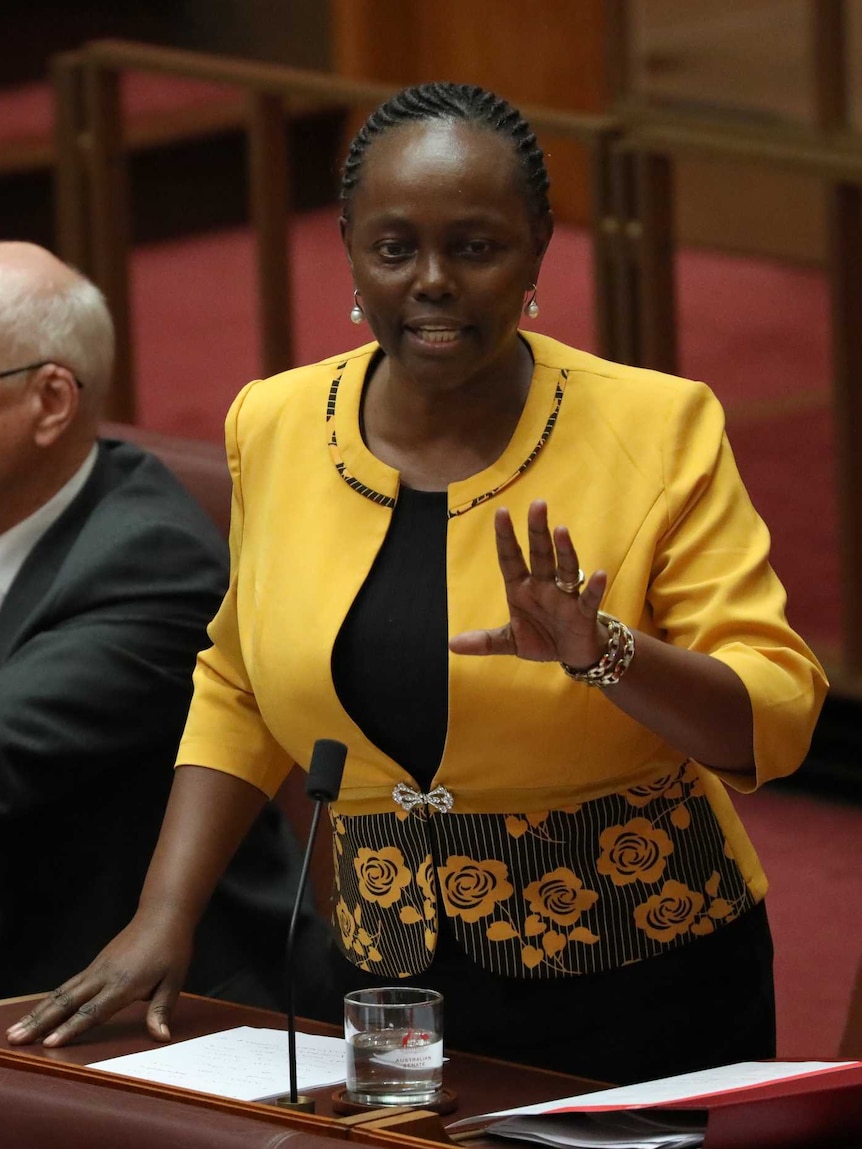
(109, 574)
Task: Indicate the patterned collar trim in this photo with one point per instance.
(388, 500)
(559, 391)
(335, 452)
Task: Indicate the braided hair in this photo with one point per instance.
(446, 101)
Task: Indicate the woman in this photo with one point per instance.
(545, 835)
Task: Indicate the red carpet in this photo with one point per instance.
(809, 848)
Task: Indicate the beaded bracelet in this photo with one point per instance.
(614, 662)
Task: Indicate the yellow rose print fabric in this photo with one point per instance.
(552, 894)
(385, 915)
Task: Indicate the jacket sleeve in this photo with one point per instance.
(225, 730)
(713, 589)
(103, 678)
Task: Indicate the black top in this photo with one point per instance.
(390, 664)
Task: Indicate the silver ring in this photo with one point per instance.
(570, 587)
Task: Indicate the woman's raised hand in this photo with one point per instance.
(146, 962)
(548, 621)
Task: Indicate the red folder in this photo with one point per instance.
(810, 1112)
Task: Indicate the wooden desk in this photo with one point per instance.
(482, 1084)
(50, 1098)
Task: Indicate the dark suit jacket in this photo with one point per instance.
(98, 636)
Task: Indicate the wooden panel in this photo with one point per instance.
(110, 229)
(550, 52)
(828, 37)
(750, 208)
(655, 237)
(845, 268)
(70, 175)
(269, 185)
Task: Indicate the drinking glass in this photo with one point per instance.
(394, 1045)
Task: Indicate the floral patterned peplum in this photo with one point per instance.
(550, 894)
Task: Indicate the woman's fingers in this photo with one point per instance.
(592, 593)
(160, 1009)
(42, 1017)
(497, 641)
(551, 556)
(146, 962)
(72, 1008)
(543, 558)
(567, 569)
(92, 1012)
(551, 605)
(509, 553)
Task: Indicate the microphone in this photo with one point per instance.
(325, 771)
(322, 786)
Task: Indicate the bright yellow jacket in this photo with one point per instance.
(634, 462)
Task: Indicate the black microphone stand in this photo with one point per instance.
(322, 785)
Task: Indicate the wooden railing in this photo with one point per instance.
(650, 148)
(93, 214)
(632, 160)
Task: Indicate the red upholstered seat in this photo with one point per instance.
(199, 465)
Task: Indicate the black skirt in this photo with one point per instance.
(707, 1003)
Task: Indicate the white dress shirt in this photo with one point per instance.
(17, 543)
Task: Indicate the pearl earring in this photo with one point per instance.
(531, 308)
(356, 312)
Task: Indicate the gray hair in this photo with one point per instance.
(66, 323)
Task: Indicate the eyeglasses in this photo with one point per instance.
(35, 366)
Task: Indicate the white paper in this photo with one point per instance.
(683, 1087)
(631, 1129)
(248, 1064)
